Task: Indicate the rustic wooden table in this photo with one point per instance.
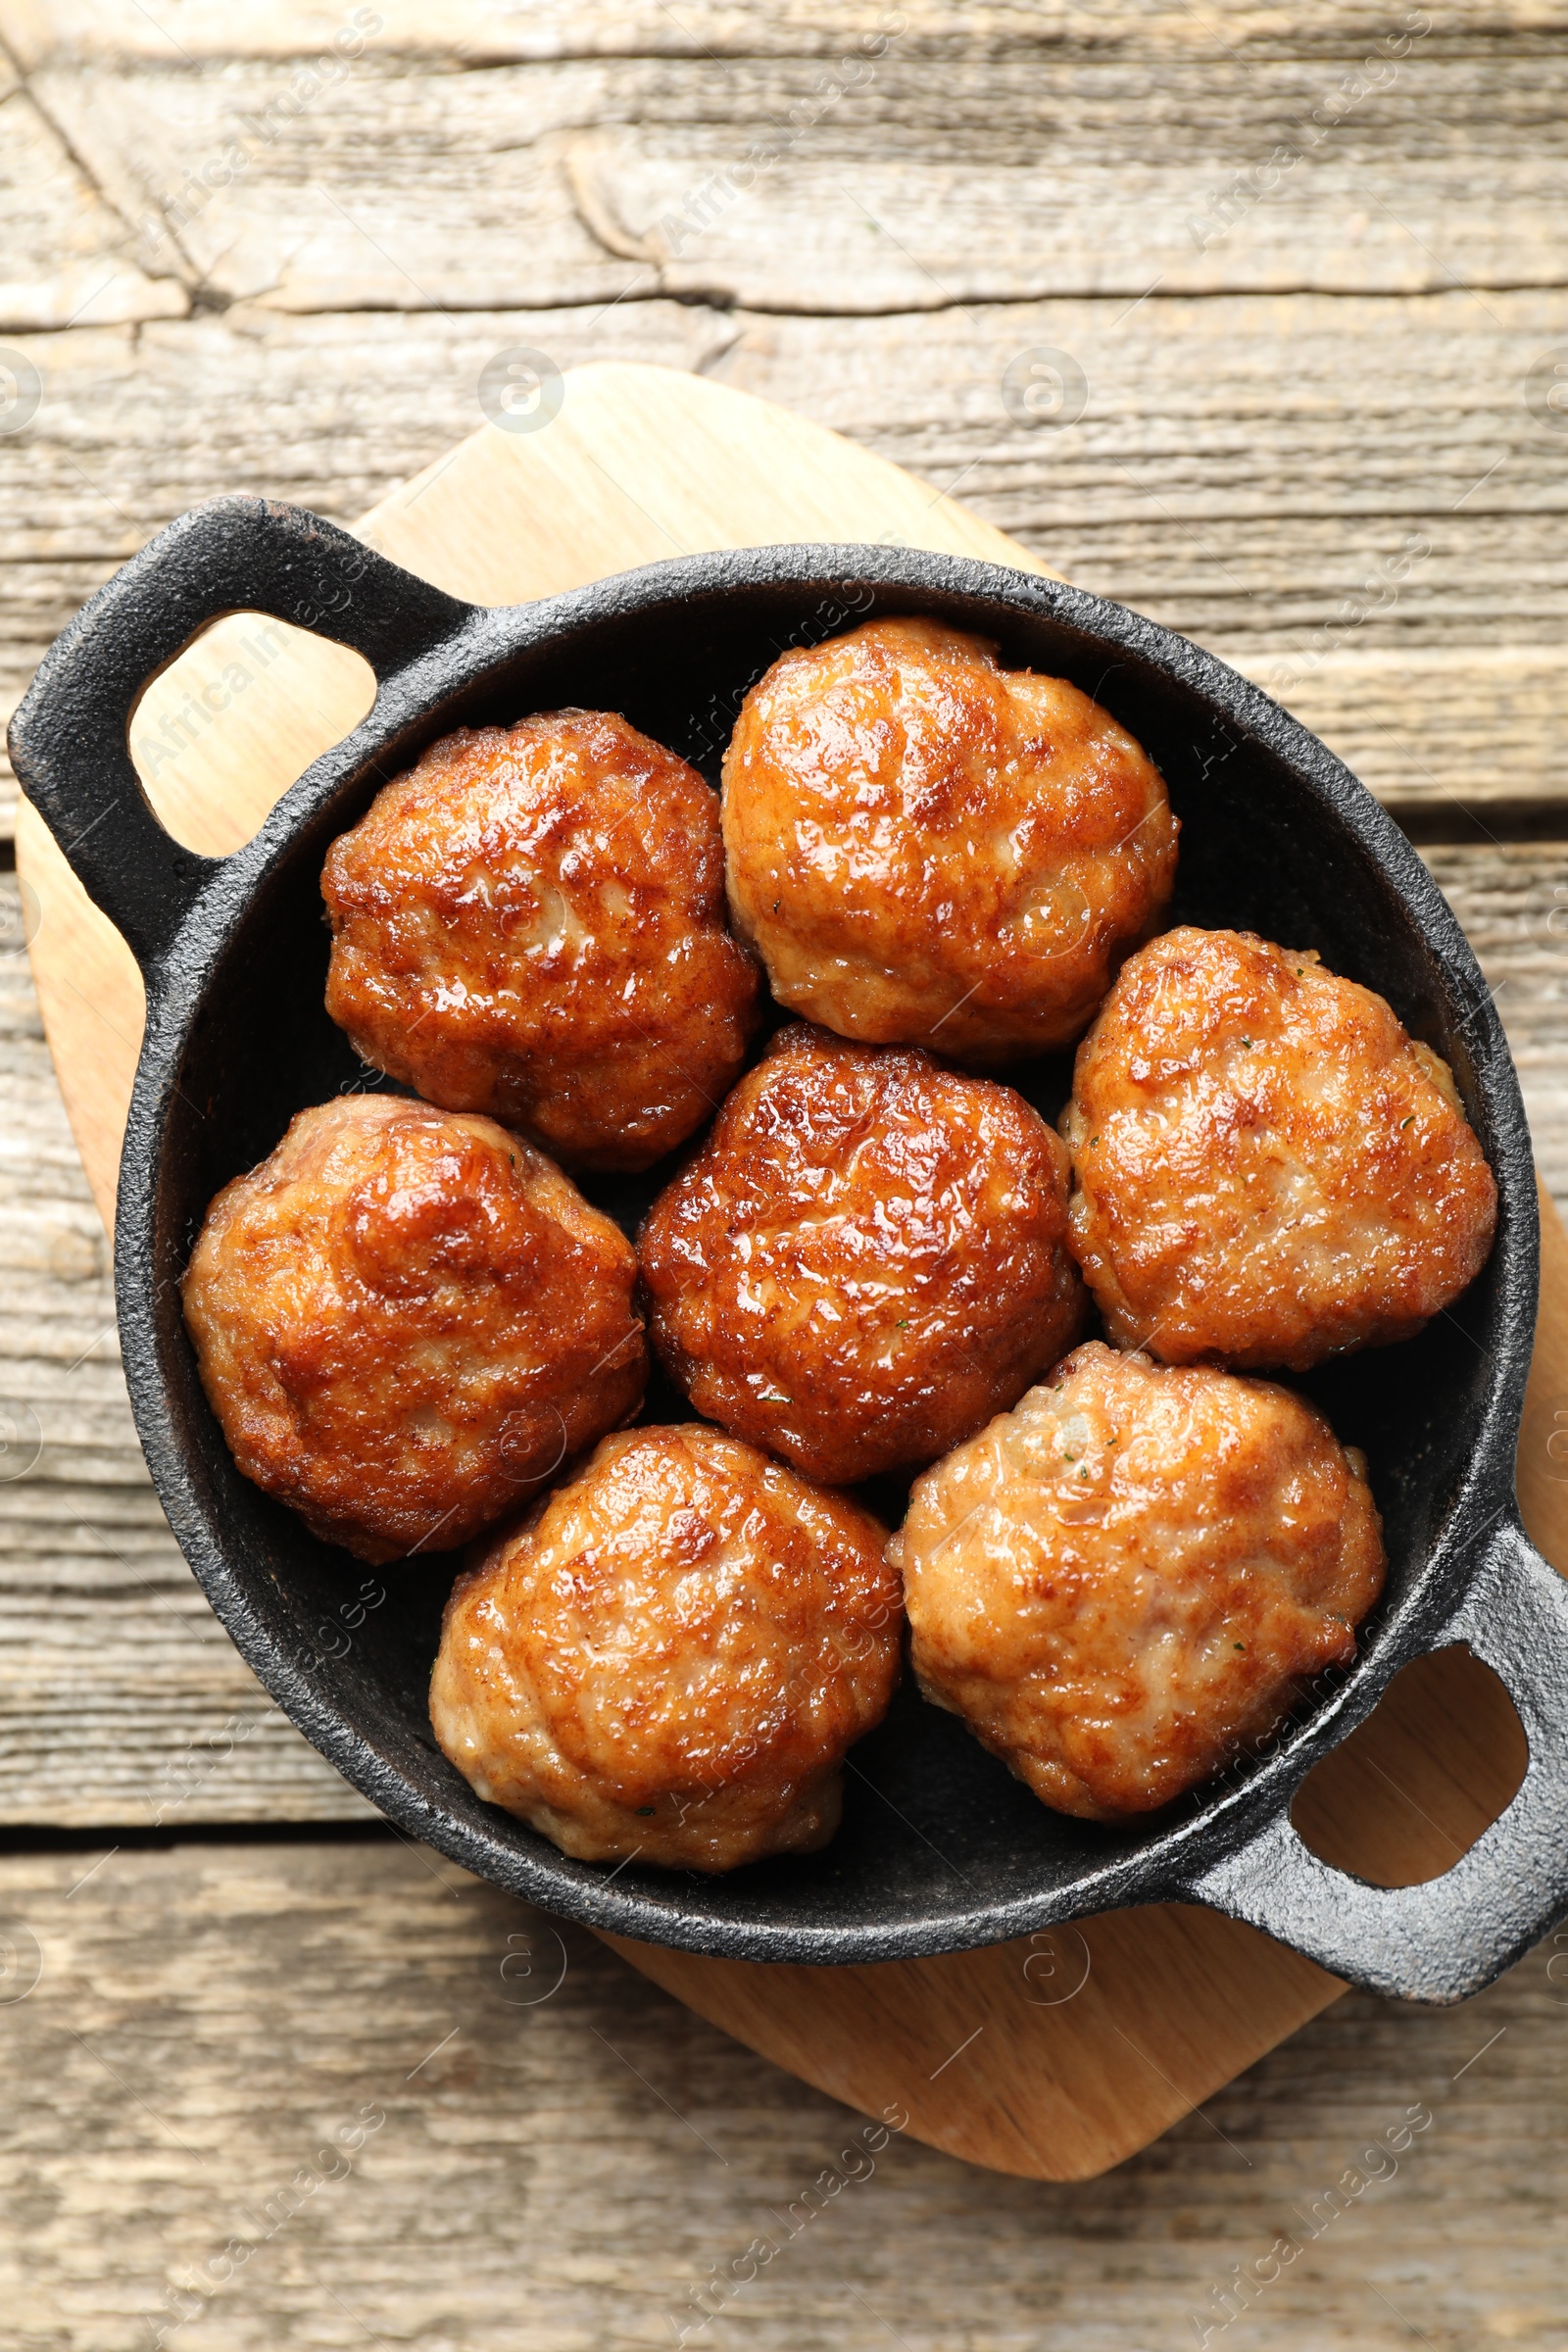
(1260, 325)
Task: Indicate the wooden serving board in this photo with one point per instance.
(1059, 2056)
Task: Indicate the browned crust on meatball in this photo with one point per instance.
(1267, 1169)
(531, 923)
(866, 1258)
(927, 849)
(405, 1319)
(671, 1657)
(1129, 1576)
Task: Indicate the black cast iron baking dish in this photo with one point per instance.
(940, 1848)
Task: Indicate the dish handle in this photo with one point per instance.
(68, 739)
(1453, 1936)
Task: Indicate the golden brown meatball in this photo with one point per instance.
(1267, 1169)
(671, 1656)
(531, 923)
(1129, 1575)
(405, 1319)
(866, 1258)
(927, 849)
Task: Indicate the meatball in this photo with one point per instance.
(531, 923)
(405, 1319)
(1267, 1169)
(1130, 1575)
(927, 849)
(866, 1258)
(670, 1658)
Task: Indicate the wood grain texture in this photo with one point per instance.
(905, 175)
(1277, 400)
(1145, 33)
(1077, 2047)
(1264, 519)
(65, 255)
(563, 2176)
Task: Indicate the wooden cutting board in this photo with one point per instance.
(1055, 2057)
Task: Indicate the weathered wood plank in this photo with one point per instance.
(129, 434)
(494, 31)
(66, 255)
(1374, 534)
(555, 2156)
(893, 181)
